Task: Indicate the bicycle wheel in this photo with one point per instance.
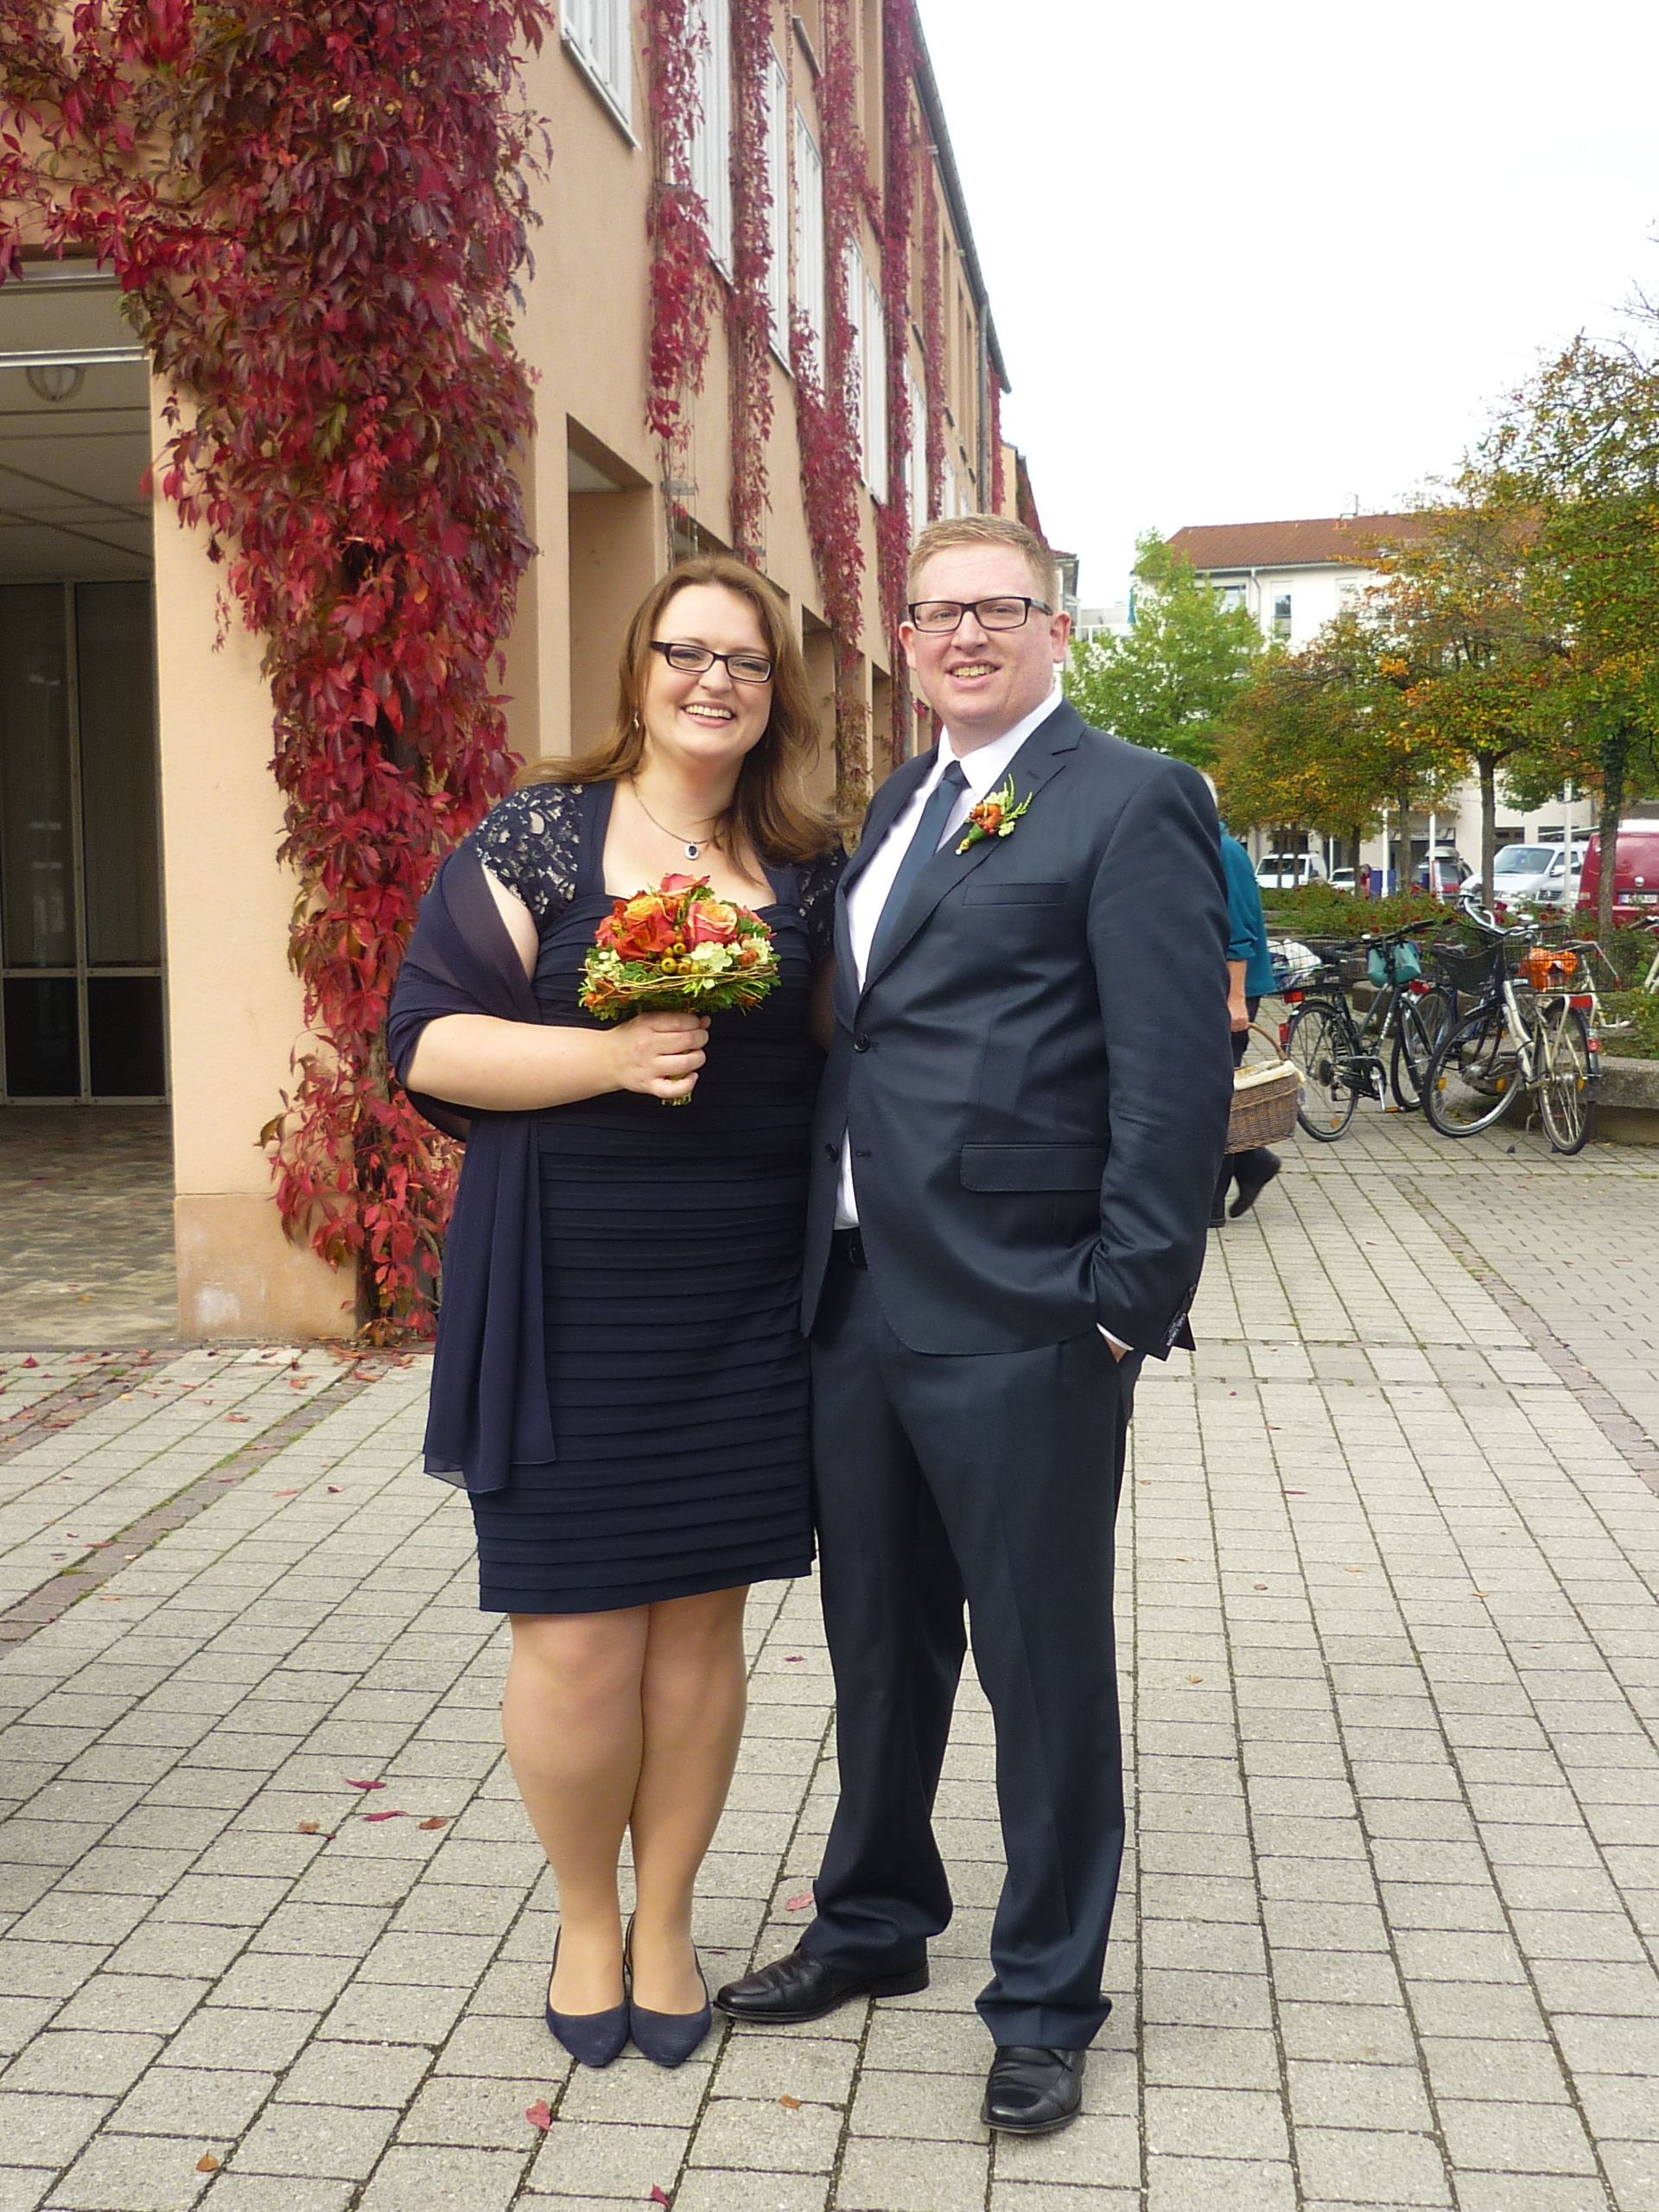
(1473, 1075)
(1564, 1094)
(1319, 1044)
(1423, 1022)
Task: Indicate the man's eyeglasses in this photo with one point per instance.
(693, 660)
(936, 616)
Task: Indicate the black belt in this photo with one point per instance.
(848, 1245)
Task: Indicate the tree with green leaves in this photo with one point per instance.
(1456, 602)
(1577, 451)
(1327, 737)
(1168, 683)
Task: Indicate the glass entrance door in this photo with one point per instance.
(81, 1011)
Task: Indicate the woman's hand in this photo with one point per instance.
(659, 1053)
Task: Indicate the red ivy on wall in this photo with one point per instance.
(999, 483)
(894, 527)
(933, 342)
(748, 305)
(316, 215)
(826, 400)
(676, 37)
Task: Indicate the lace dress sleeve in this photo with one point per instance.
(818, 878)
(530, 844)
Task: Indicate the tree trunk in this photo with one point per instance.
(1615, 759)
(1487, 763)
(1402, 841)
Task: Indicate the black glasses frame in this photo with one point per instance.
(972, 606)
(667, 646)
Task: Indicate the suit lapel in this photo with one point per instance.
(889, 803)
(1040, 758)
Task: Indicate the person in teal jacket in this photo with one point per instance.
(1250, 980)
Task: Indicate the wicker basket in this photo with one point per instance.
(1265, 1099)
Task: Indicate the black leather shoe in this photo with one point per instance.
(1251, 1184)
(800, 1988)
(1029, 2091)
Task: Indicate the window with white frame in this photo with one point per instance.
(874, 389)
(600, 34)
(778, 213)
(808, 230)
(916, 467)
(711, 143)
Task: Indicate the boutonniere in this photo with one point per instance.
(995, 816)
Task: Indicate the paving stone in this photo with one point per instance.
(190, 2100)
(1362, 2166)
(459, 2181)
(327, 2141)
(899, 2176)
(592, 2158)
(1218, 2186)
(133, 2173)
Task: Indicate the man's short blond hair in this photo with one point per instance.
(987, 529)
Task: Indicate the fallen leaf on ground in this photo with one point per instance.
(284, 1493)
(206, 2164)
(437, 1820)
(794, 1660)
(790, 2104)
(393, 1815)
(1258, 1585)
(658, 2196)
(334, 1490)
(795, 1905)
(310, 1828)
(350, 1784)
(538, 2115)
(239, 1416)
(1195, 1678)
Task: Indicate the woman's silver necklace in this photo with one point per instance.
(692, 846)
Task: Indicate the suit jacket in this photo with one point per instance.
(1037, 1074)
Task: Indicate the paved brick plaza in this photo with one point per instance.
(1391, 1657)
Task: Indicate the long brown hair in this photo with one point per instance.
(770, 812)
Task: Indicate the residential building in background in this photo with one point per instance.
(143, 916)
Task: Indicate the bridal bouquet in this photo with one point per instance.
(678, 950)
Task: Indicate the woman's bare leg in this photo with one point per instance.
(692, 1699)
(571, 1720)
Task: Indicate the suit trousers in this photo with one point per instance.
(992, 1479)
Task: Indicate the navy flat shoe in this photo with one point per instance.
(591, 2038)
(666, 2038)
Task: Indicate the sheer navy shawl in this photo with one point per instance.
(489, 1409)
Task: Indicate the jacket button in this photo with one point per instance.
(830, 1152)
(860, 1040)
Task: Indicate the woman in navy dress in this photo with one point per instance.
(670, 1258)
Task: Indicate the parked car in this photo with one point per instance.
(1342, 879)
(1636, 872)
(1535, 875)
(1289, 871)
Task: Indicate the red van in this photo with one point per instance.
(1635, 873)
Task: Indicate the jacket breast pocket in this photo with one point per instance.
(1033, 1166)
(979, 891)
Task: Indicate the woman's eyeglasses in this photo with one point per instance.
(694, 660)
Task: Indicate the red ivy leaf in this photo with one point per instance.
(350, 1784)
(538, 2115)
(392, 1816)
(799, 1903)
(437, 1820)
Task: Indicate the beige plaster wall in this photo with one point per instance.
(233, 1003)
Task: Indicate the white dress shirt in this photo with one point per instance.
(985, 767)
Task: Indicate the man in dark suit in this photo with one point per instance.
(1018, 1138)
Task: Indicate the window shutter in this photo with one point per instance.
(711, 147)
(778, 214)
(875, 389)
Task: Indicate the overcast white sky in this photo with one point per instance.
(1248, 262)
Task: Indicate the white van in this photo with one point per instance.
(1289, 871)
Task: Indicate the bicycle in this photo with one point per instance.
(1341, 1059)
(1531, 1031)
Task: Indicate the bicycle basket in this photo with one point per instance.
(1466, 974)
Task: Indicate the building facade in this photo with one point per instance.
(144, 915)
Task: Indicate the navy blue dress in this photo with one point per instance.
(671, 1242)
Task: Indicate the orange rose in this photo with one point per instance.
(712, 921)
(674, 884)
(643, 927)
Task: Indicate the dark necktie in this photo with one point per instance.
(921, 849)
